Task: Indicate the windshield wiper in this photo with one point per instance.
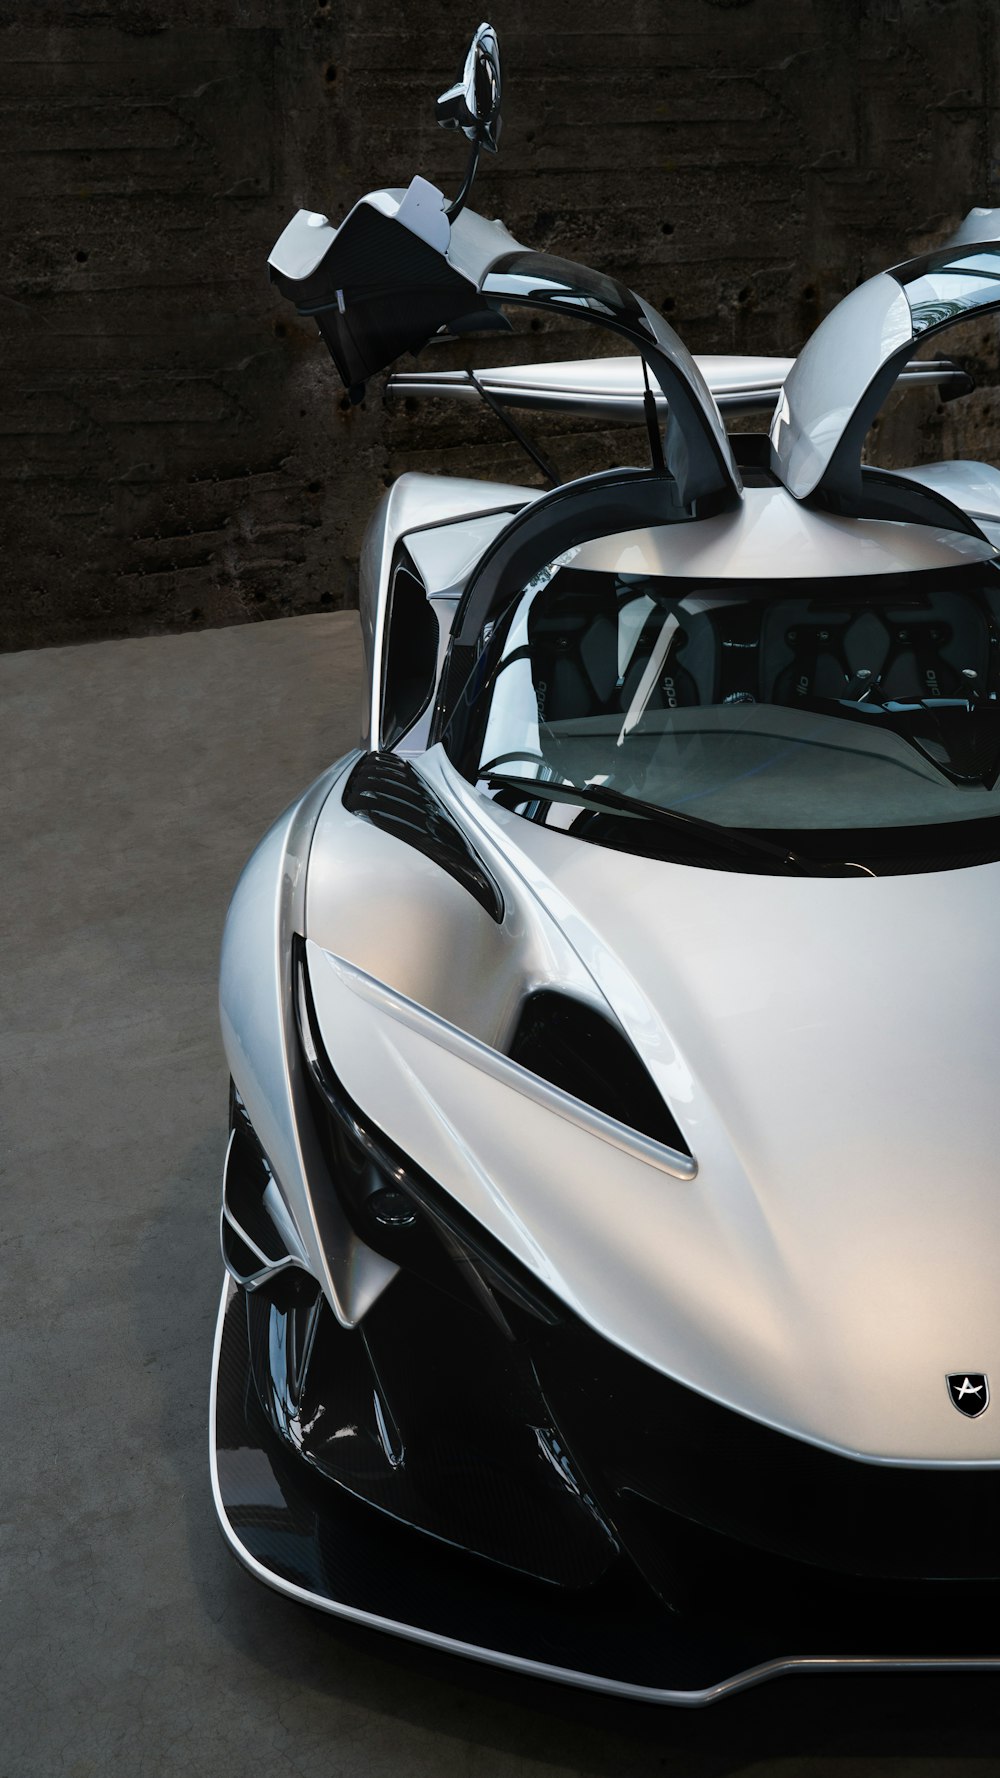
(729, 839)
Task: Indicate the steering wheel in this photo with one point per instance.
(519, 753)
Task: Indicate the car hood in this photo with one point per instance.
(830, 1049)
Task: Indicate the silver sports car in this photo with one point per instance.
(611, 1209)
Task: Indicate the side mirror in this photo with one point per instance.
(472, 105)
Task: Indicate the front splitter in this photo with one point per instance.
(308, 1539)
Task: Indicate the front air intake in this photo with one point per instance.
(411, 649)
(253, 1214)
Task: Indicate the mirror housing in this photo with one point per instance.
(472, 105)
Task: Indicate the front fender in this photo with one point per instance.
(259, 1035)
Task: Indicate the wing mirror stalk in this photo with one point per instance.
(472, 105)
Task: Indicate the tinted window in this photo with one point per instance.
(837, 709)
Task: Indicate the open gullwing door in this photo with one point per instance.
(847, 368)
(397, 271)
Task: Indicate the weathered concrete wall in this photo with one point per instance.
(175, 451)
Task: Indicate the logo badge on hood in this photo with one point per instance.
(970, 1392)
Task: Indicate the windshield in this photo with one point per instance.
(856, 719)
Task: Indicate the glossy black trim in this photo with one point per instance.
(890, 494)
(432, 1415)
(733, 1608)
(866, 491)
(307, 1535)
(390, 793)
(698, 454)
(379, 291)
(755, 1500)
(883, 851)
(594, 506)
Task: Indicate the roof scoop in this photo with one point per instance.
(472, 105)
(981, 224)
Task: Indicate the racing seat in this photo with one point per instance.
(906, 656)
(591, 654)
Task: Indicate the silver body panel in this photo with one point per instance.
(818, 1252)
(822, 1283)
(831, 376)
(469, 244)
(705, 1279)
(774, 538)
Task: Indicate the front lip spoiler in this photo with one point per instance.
(595, 1682)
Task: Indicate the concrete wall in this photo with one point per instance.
(175, 450)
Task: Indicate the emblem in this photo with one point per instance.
(970, 1392)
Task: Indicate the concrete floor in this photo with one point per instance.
(136, 778)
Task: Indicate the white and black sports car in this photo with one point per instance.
(612, 1200)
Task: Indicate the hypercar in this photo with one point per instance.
(611, 1206)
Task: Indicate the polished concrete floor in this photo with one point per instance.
(136, 777)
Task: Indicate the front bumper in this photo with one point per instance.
(306, 1536)
(472, 1466)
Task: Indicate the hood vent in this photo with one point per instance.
(391, 794)
(575, 1048)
